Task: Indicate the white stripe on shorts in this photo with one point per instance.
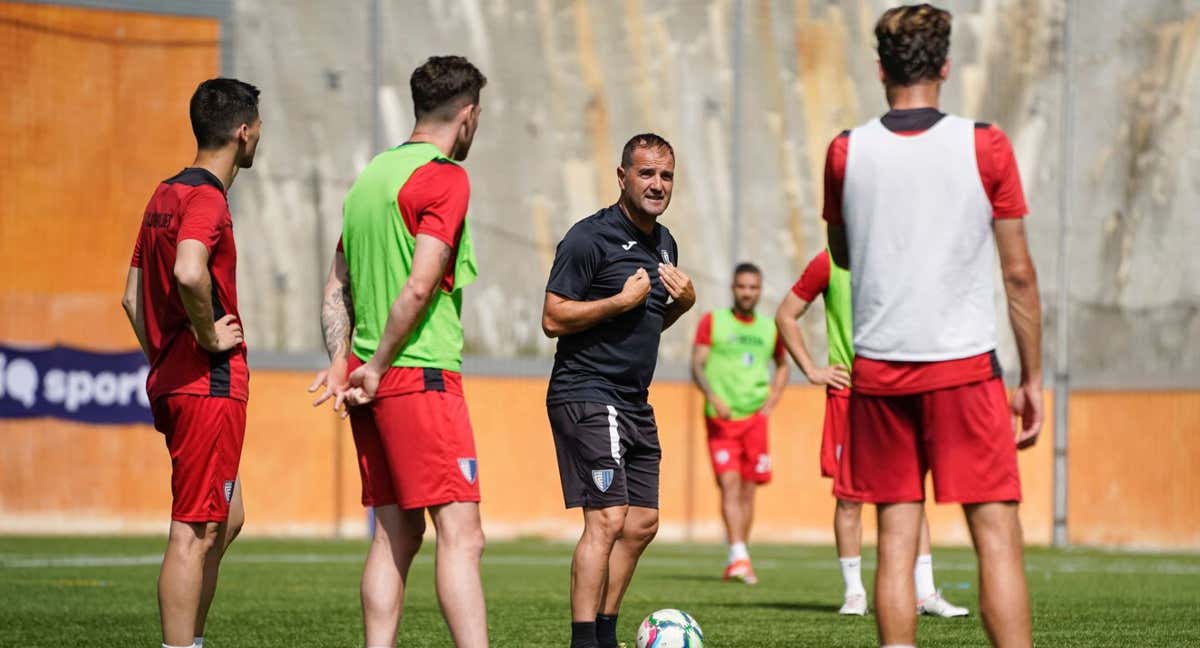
(614, 439)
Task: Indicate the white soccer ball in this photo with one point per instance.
(670, 629)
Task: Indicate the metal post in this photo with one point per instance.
(374, 39)
(1062, 358)
(735, 140)
(374, 42)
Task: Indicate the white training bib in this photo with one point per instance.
(919, 229)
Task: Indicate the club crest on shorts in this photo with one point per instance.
(603, 479)
(469, 468)
(229, 490)
(722, 457)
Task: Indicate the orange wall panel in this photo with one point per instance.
(90, 126)
(1133, 469)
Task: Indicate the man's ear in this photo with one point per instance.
(944, 73)
(621, 177)
(466, 113)
(882, 75)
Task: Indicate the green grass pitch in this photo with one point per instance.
(101, 592)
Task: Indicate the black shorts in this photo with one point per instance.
(606, 456)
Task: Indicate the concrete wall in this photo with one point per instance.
(570, 81)
(97, 123)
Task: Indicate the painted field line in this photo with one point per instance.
(1040, 565)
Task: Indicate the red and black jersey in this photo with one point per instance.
(191, 205)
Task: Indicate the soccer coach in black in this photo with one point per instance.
(613, 289)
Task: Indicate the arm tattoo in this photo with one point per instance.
(337, 321)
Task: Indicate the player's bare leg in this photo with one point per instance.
(738, 505)
(929, 599)
(748, 491)
(734, 514)
(730, 483)
(895, 600)
(641, 525)
(1003, 593)
(212, 562)
(182, 578)
(847, 534)
(460, 591)
(590, 564)
(396, 541)
(847, 528)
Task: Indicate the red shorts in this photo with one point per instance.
(204, 436)
(740, 446)
(837, 423)
(963, 434)
(416, 450)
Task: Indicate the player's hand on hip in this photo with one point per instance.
(678, 284)
(835, 376)
(1027, 407)
(723, 411)
(333, 380)
(636, 288)
(227, 334)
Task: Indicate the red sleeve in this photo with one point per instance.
(436, 198)
(704, 331)
(340, 248)
(815, 278)
(136, 261)
(780, 350)
(998, 172)
(835, 177)
(203, 218)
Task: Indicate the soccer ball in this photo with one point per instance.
(670, 629)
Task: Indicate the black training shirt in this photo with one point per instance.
(613, 362)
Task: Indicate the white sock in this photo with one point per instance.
(738, 551)
(852, 575)
(198, 642)
(193, 645)
(923, 575)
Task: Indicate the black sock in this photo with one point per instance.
(606, 631)
(583, 634)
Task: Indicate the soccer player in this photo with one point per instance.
(915, 202)
(396, 282)
(181, 298)
(821, 277)
(614, 288)
(731, 359)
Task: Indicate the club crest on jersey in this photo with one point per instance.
(229, 490)
(603, 479)
(468, 466)
(666, 257)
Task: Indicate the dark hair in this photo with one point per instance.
(913, 42)
(443, 84)
(219, 106)
(746, 266)
(643, 140)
